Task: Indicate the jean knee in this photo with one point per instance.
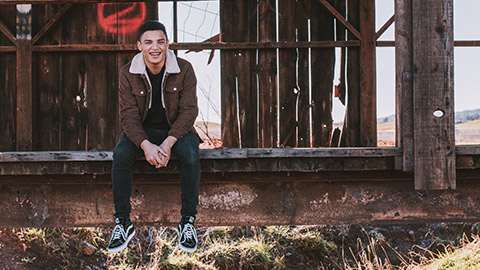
(187, 151)
(124, 154)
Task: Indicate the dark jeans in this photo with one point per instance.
(125, 154)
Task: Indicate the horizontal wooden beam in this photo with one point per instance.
(278, 202)
(457, 43)
(235, 153)
(275, 160)
(8, 49)
(199, 46)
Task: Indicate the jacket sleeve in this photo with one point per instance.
(187, 105)
(129, 112)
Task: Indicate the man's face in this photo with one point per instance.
(153, 45)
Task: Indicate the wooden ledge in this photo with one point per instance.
(237, 153)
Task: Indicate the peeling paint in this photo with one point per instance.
(227, 197)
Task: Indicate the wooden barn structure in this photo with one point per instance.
(282, 162)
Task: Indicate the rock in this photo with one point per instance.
(86, 248)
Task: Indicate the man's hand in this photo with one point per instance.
(152, 155)
(166, 149)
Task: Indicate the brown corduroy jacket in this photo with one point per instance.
(179, 97)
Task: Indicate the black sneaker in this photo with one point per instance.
(121, 235)
(187, 235)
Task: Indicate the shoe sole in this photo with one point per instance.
(184, 248)
(123, 246)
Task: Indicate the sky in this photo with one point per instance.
(198, 21)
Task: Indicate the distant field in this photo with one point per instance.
(465, 133)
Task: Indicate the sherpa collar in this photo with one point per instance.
(138, 64)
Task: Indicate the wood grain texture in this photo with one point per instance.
(230, 131)
(404, 81)
(323, 66)
(267, 75)
(287, 73)
(368, 90)
(434, 137)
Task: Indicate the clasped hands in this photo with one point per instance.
(158, 155)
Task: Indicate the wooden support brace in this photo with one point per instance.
(385, 27)
(342, 19)
(433, 96)
(57, 18)
(6, 32)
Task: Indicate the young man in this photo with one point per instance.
(158, 107)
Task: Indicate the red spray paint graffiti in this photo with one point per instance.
(126, 19)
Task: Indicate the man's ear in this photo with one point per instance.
(139, 46)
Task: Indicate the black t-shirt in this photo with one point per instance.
(156, 114)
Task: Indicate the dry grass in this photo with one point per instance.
(273, 247)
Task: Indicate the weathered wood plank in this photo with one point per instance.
(56, 19)
(48, 98)
(434, 136)
(8, 102)
(267, 75)
(47, 77)
(287, 76)
(244, 75)
(351, 126)
(74, 104)
(202, 46)
(404, 82)
(230, 121)
(368, 90)
(257, 203)
(24, 116)
(304, 77)
(323, 66)
(244, 153)
(8, 87)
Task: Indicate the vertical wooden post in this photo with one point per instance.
(287, 73)
(351, 126)
(24, 78)
(434, 135)
(404, 82)
(323, 66)
(267, 75)
(368, 90)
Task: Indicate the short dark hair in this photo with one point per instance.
(151, 26)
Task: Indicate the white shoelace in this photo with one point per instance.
(117, 232)
(188, 231)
